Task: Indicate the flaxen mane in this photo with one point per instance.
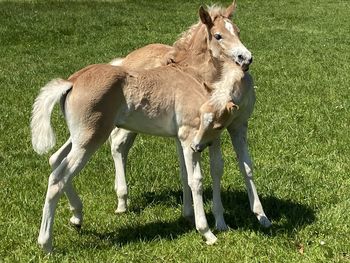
(186, 39)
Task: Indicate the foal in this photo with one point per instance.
(163, 101)
(155, 55)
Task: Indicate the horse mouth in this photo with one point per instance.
(244, 67)
(199, 147)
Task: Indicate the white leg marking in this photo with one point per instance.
(121, 142)
(195, 182)
(75, 204)
(58, 179)
(56, 159)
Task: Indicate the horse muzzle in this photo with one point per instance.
(244, 61)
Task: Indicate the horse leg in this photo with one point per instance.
(121, 142)
(192, 161)
(188, 212)
(70, 165)
(239, 141)
(216, 171)
(56, 159)
(75, 204)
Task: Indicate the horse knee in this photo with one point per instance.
(121, 141)
(55, 190)
(53, 161)
(196, 185)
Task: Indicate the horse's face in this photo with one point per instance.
(224, 39)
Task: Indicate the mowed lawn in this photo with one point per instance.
(299, 136)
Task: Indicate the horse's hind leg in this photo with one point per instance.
(121, 142)
(58, 180)
(75, 204)
(216, 172)
(56, 159)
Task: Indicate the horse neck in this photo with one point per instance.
(201, 67)
(192, 55)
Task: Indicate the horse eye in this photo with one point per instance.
(217, 36)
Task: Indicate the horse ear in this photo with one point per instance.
(230, 10)
(205, 17)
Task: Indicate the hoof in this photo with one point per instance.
(264, 221)
(120, 210)
(76, 222)
(221, 226)
(210, 238)
(45, 246)
(122, 205)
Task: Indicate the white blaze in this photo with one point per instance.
(229, 27)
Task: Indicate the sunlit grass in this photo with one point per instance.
(299, 136)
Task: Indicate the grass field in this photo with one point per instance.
(299, 136)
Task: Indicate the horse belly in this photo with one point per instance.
(159, 125)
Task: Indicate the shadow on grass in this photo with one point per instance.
(287, 218)
(138, 233)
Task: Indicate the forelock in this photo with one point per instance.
(216, 11)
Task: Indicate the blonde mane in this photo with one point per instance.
(187, 37)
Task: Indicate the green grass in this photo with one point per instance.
(299, 136)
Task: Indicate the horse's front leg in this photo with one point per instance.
(121, 142)
(216, 172)
(192, 161)
(239, 141)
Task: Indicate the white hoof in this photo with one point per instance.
(120, 210)
(122, 206)
(75, 221)
(210, 238)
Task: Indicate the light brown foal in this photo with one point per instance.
(164, 101)
(155, 55)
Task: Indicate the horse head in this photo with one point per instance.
(223, 38)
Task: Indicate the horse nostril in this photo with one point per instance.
(250, 61)
(240, 57)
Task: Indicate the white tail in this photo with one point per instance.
(116, 62)
(43, 136)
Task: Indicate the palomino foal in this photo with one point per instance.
(155, 55)
(163, 101)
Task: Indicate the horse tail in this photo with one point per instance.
(43, 136)
(116, 62)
